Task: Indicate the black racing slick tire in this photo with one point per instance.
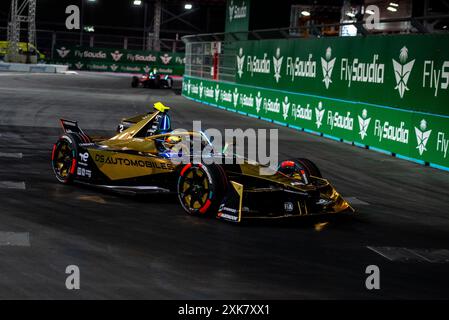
(169, 83)
(302, 167)
(135, 82)
(64, 158)
(310, 167)
(201, 188)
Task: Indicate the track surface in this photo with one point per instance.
(129, 247)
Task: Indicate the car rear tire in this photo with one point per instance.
(302, 167)
(310, 167)
(64, 159)
(201, 188)
(135, 82)
(169, 83)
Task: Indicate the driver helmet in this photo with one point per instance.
(171, 141)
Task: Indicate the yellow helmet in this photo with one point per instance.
(173, 139)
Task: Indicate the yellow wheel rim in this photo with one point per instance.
(195, 188)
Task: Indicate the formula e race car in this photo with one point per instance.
(141, 159)
(152, 80)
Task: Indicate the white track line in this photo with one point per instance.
(379, 252)
(12, 185)
(412, 255)
(17, 239)
(11, 155)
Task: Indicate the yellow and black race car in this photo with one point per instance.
(140, 159)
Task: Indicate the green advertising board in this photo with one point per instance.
(411, 134)
(237, 18)
(120, 60)
(400, 71)
(237, 15)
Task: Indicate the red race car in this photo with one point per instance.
(152, 80)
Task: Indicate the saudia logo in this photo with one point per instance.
(258, 102)
(271, 106)
(165, 58)
(240, 62)
(180, 60)
(277, 64)
(146, 69)
(261, 65)
(247, 101)
(390, 132)
(364, 124)
(300, 112)
(442, 144)
(422, 136)
(226, 96)
(189, 87)
(114, 67)
(367, 72)
(217, 92)
(319, 113)
(285, 108)
(63, 52)
(301, 68)
(235, 97)
(138, 57)
(201, 89)
(340, 121)
(116, 55)
(195, 89)
(236, 12)
(231, 11)
(402, 71)
(209, 92)
(328, 66)
(79, 65)
(90, 54)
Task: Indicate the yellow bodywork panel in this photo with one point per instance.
(117, 165)
(239, 189)
(141, 145)
(133, 130)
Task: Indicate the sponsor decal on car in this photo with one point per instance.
(133, 162)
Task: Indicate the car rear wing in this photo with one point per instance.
(70, 126)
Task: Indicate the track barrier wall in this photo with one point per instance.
(119, 60)
(32, 68)
(388, 93)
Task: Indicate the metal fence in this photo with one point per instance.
(201, 61)
(47, 40)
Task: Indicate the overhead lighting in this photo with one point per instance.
(188, 6)
(350, 14)
(89, 28)
(348, 30)
(392, 9)
(91, 0)
(444, 27)
(394, 4)
(369, 12)
(137, 2)
(305, 13)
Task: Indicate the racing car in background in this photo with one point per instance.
(139, 159)
(153, 80)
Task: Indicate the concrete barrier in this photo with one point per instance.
(33, 68)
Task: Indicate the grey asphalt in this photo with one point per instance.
(148, 248)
